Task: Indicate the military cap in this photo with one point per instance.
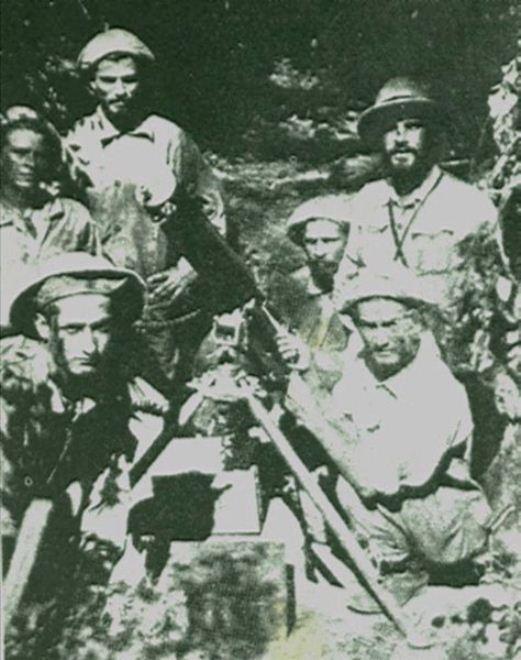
(71, 274)
(399, 284)
(329, 207)
(399, 98)
(111, 42)
(19, 112)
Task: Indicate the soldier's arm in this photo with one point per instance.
(335, 432)
(198, 179)
(84, 232)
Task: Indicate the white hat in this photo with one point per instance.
(398, 283)
(329, 207)
(111, 42)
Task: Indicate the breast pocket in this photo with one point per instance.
(376, 246)
(434, 252)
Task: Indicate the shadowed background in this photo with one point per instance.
(215, 58)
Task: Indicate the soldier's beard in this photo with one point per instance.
(86, 384)
(79, 377)
(409, 174)
(124, 116)
(323, 275)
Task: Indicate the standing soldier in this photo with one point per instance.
(419, 215)
(36, 222)
(135, 161)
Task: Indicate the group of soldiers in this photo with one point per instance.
(91, 352)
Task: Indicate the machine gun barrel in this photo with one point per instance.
(224, 278)
(225, 282)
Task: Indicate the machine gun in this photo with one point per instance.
(224, 283)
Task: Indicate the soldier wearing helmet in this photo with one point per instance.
(405, 441)
(74, 415)
(419, 215)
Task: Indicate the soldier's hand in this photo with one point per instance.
(365, 492)
(291, 348)
(168, 284)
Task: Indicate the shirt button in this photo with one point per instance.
(28, 481)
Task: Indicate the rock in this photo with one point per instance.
(238, 594)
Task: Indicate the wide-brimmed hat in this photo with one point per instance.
(112, 42)
(337, 208)
(399, 98)
(398, 283)
(71, 274)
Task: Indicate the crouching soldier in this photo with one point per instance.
(405, 442)
(320, 227)
(73, 416)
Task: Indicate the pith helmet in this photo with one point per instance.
(329, 207)
(111, 42)
(71, 274)
(399, 98)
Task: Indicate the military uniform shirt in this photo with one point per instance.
(420, 231)
(59, 225)
(121, 164)
(413, 428)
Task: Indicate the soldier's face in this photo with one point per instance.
(116, 85)
(405, 145)
(324, 242)
(23, 159)
(391, 335)
(80, 334)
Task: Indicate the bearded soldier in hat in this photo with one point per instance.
(135, 161)
(419, 215)
(404, 442)
(320, 227)
(73, 415)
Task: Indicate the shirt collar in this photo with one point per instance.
(52, 207)
(417, 195)
(55, 209)
(108, 132)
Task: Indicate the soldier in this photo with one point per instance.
(419, 215)
(74, 417)
(36, 222)
(320, 227)
(135, 161)
(405, 442)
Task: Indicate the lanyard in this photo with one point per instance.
(399, 241)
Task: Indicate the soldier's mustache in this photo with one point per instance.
(403, 150)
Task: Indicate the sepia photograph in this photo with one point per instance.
(260, 316)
